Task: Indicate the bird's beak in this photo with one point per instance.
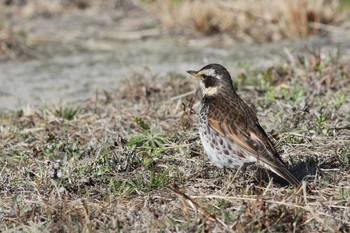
(193, 73)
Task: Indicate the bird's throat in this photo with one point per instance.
(210, 91)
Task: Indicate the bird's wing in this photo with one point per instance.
(253, 140)
(241, 126)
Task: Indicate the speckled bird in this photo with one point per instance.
(229, 129)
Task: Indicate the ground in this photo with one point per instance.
(126, 157)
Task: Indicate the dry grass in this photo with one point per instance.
(248, 20)
(131, 161)
(42, 8)
(12, 46)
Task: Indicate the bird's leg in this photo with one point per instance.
(261, 177)
(241, 168)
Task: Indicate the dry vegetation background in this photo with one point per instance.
(250, 20)
(131, 161)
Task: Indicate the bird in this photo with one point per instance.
(229, 129)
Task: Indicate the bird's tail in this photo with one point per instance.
(281, 170)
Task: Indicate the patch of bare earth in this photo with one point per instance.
(131, 160)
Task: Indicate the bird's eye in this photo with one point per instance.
(204, 76)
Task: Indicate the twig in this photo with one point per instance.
(198, 208)
(252, 199)
(183, 95)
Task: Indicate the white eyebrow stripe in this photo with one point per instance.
(209, 72)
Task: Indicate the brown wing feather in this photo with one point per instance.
(250, 142)
(240, 124)
(228, 132)
(245, 131)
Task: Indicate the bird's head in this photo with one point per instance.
(214, 78)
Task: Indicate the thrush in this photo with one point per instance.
(229, 129)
